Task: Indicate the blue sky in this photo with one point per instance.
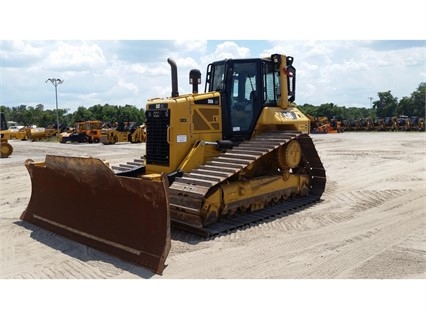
(118, 54)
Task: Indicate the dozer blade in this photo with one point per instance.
(82, 199)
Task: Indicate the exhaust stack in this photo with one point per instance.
(175, 91)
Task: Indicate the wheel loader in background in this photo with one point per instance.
(5, 148)
(234, 155)
(84, 132)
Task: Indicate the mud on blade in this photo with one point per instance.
(82, 199)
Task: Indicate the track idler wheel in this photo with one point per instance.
(289, 155)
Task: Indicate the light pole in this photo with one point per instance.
(371, 100)
(56, 82)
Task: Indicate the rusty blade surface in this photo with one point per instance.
(82, 199)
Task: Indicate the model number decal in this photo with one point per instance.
(181, 138)
(289, 115)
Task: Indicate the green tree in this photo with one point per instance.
(405, 106)
(104, 113)
(330, 110)
(131, 113)
(415, 104)
(21, 114)
(116, 113)
(82, 114)
(386, 105)
(308, 109)
(418, 100)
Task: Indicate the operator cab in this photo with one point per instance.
(246, 86)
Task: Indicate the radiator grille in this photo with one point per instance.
(157, 148)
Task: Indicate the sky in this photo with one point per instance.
(120, 63)
(120, 72)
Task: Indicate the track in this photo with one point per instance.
(192, 188)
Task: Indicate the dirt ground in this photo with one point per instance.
(370, 223)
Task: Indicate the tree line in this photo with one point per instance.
(385, 106)
(29, 115)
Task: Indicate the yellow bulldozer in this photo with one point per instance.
(234, 155)
(5, 148)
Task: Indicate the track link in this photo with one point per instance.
(187, 193)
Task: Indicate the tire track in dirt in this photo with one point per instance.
(75, 260)
(326, 252)
(406, 257)
(354, 251)
(322, 214)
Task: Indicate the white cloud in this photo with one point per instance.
(348, 66)
(191, 46)
(128, 86)
(20, 49)
(227, 50)
(69, 55)
(131, 72)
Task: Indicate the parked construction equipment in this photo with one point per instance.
(401, 123)
(5, 148)
(318, 124)
(234, 155)
(324, 125)
(43, 133)
(124, 132)
(84, 132)
(334, 125)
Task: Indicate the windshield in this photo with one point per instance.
(271, 81)
(243, 95)
(218, 83)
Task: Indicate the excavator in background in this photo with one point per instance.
(215, 161)
(5, 148)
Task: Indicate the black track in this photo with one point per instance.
(318, 180)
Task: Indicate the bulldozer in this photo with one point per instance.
(234, 155)
(6, 149)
